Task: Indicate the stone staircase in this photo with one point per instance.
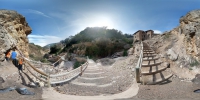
(153, 71)
(97, 80)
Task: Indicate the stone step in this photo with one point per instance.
(91, 84)
(95, 78)
(148, 56)
(148, 53)
(152, 69)
(93, 69)
(151, 64)
(93, 75)
(150, 59)
(145, 51)
(97, 82)
(156, 78)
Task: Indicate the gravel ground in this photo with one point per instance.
(174, 90)
(14, 95)
(11, 77)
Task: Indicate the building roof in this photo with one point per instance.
(137, 31)
(149, 30)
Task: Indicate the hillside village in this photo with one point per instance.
(93, 65)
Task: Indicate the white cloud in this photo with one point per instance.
(38, 13)
(43, 40)
(157, 31)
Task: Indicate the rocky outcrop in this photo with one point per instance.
(13, 32)
(190, 27)
(172, 55)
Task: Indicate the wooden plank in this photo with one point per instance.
(148, 65)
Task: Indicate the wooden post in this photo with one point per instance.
(81, 70)
(48, 79)
(137, 75)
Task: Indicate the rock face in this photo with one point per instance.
(13, 32)
(190, 27)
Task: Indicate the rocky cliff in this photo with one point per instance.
(190, 27)
(13, 32)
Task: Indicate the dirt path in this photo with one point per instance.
(51, 94)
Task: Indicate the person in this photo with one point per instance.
(8, 55)
(20, 63)
(14, 57)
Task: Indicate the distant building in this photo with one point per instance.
(141, 35)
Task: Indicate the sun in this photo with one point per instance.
(101, 22)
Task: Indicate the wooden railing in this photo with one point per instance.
(68, 76)
(56, 78)
(139, 63)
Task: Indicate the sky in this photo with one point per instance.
(55, 20)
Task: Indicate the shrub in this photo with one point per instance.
(77, 64)
(125, 53)
(44, 60)
(194, 63)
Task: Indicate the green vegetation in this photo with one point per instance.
(55, 49)
(125, 53)
(97, 42)
(194, 63)
(167, 36)
(44, 60)
(77, 64)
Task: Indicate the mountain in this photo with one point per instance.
(97, 42)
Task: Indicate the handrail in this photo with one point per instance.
(37, 69)
(139, 63)
(62, 74)
(59, 59)
(40, 62)
(65, 78)
(36, 75)
(74, 72)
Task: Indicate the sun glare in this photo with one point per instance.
(100, 22)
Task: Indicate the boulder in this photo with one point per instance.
(172, 55)
(196, 80)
